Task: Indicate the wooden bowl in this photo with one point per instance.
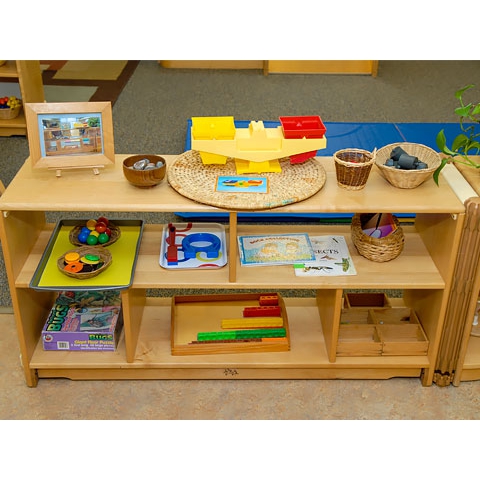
(144, 178)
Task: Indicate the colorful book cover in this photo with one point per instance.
(84, 321)
(282, 249)
(332, 258)
(242, 184)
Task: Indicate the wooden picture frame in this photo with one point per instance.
(70, 135)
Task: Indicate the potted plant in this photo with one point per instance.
(466, 142)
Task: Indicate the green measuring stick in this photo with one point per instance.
(238, 334)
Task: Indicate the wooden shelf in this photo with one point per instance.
(397, 275)
(423, 272)
(9, 70)
(306, 359)
(29, 77)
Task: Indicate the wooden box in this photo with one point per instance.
(400, 331)
(384, 331)
(358, 340)
(354, 316)
(192, 314)
(357, 335)
(366, 300)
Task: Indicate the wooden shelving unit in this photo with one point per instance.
(464, 364)
(29, 78)
(423, 272)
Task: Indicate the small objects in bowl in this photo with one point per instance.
(398, 163)
(84, 262)
(399, 158)
(144, 171)
(95, 231)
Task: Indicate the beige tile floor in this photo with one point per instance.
(63, 399)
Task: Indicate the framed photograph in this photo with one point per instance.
(70, 135)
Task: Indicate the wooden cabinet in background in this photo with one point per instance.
(29, 76)
(339, 67)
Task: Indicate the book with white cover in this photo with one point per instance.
(332, 258)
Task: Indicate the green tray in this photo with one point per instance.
(118, 275)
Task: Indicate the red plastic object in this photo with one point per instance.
(302, 157)
(270, 311)
(265, 300)
(172, 255)
(306, 126)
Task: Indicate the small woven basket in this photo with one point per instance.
(9, 113)
(381, 249)
(353, 166)
(73, 235)
(408, 178)
(103, 253)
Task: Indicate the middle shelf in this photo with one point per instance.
(395, 274)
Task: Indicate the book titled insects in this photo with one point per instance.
(332, 258)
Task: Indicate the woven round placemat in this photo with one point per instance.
(194, 180)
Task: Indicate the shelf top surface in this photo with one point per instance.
(80, 190)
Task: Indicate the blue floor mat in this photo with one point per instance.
(426, 133)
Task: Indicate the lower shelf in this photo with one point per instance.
(307, 358)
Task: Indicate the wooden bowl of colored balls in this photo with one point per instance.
(84, 262)
(93, 232)
(144, 171)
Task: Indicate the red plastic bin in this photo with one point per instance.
(305, 126)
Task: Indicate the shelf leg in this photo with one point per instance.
(232, 264)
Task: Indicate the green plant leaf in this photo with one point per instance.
(473, 146)
(441, 140)
(460, 141)
(476, 110)
(442, 144)
(463, 111)
(459, 93)
(436, 173)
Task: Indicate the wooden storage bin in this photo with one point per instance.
(393, 316)
(192, 314)
(357, 334)
(367, 300)
(388, 331)
(400, 332)
(354, 316)
(358, 340)
(402, 339)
